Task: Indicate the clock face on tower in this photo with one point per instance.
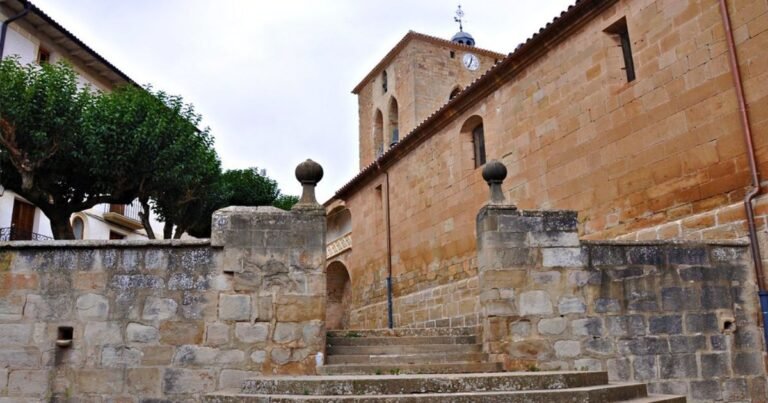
(471, 61)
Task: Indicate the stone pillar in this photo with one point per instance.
(277, 262)
(512, 246)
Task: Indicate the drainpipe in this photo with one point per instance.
(390, 314)
(6, 23)
(755, 190)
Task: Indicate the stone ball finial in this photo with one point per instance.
(494, 172)
(309, 172)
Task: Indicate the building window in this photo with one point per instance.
(43, 55)
(78, 227)
(384, 82)
(378, 133)
(394, 126)
(116, 235)
(22, 221)
(453, 54)
(453, 94)
(478, 145)
(620, 31)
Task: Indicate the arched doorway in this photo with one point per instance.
(338, 289)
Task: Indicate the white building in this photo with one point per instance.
(35, 38)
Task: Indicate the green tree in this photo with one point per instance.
(66, 148)
(285, 202)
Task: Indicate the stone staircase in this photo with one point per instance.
(406, 351)
(428, 366)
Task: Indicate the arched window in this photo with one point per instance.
(384, 83)
(78, 227)
(394, 128)
(455, 92)
(378, 133)
(478, 145)
(473, 133)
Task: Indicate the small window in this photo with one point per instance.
(78, 227)
(478, 144)
(116, 235)
(620, 30)
(43, 55)
(453, 55)
(384, 83)
(453, 94)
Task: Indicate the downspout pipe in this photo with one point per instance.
(6, 23)
(755, 176)
(390, 313)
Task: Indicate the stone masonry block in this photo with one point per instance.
(552, 326)
(714, 365)
(234, 307)
(138, 333)
(187, 381)
(677, 366)
(553, 239)
(644, 367)
(535, 303)
(587, 327)
(19, 333)
(669, 324)
(178, 333)
(567, 348)
(101, 333)
(159, 308)
(299, 308)
(216, 334)
(28, 383)
(252, 333)
(688, 255)
(571, 304)
(92, 307)
(562, 257)
(101, 380)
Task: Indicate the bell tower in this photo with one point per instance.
(421, 74)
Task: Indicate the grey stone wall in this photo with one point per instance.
(682, 317)
(163, 320)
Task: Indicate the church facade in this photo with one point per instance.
(623, 110)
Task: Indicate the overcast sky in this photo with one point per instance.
(272, 79)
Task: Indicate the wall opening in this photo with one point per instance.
(394, 128)
(619, 31)
(78, 228)
(454, 92)
(378, 133)
(473, 130)
(384, 82)
(338, 288)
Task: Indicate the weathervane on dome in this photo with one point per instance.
(458, 17)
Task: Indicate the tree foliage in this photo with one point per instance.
(66, 148)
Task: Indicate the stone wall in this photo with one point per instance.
(165, 320)
(680, 316)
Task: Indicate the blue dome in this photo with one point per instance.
(463, 38)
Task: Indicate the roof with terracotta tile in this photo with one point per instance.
(534, 47)
(412, 35)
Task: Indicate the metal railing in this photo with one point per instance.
(128, 210)
(16, 234)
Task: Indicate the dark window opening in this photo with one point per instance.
(453, 94)
(78, 227)
(116, 235)
(384, 84)
(478, 144)
(43, 55)
(453, 54)
(619, 28)
(394, 126)
(22, 221)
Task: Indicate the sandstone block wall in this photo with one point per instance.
(682, 317)
(163, 320)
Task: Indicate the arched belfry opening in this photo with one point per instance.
(338, 288)
(393, 120)
(378, 133)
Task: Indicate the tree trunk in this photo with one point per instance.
(167, 230)
(144, 215)
(61, 227)
(179, 232)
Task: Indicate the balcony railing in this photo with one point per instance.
(126, 215)
(338, 245)
(15, 234)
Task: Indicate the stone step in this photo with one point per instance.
(403, 349)
(406, 331)
(658, 399)
(428, 358)
(589, 394)
(399, 340)
(427, 383)
(400, 368)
